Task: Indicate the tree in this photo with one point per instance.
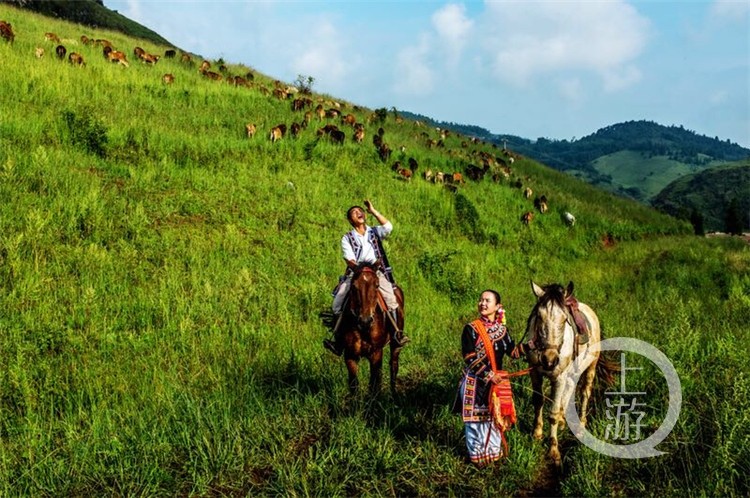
(696, 219)
(734, 222)
(304, 83)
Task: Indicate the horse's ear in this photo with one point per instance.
(538, 291)
(569, 290)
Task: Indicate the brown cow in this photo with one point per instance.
(115, 56)
(138, 52)
(413, 165)
(527, 217)
(52, 37)
(168, 78)
(458, 178)
(541, 204)
(205, 66)
(405, 173)
(277, 133)
(60, 50)
(295, 129)
(250, 129)
(149, 58)
(76, 58)
(212, 75)
(85, 39)
(349, 119)
(384, 152)
(359, 135)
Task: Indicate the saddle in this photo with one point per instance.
(579, 322)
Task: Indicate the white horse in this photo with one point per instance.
(555, 327)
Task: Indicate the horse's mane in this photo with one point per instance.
(553, 293)
(365, 266)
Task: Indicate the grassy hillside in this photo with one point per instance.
(161, 275)
(90, 13)
(639, 176)
(710, 194)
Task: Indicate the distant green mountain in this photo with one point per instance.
(709, 194)
(90, 13)
(634, 159)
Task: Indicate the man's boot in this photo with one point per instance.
(397, 335)
(334, 346)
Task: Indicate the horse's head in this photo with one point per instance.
(547, 322)
(364, 295)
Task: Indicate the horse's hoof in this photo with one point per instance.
(538, 434)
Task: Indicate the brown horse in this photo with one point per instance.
(554, 325)
(365, 329)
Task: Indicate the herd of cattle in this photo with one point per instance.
(497, 166)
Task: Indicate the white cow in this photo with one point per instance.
(569, 218)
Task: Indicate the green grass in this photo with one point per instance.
(647, 176)
(161, 276)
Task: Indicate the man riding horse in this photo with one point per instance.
(364, 244)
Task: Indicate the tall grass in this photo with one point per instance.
(161, 276)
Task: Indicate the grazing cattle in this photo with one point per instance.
(170, 54)
(138, 52)
(349, 119)
(39, 52)
(60, 50)
(541, 204)
(569, 219)
(377, 140)
(186, 58)
(439, 177)
(76, 58)
(413, 165)
(150, 58)
(333, 113)
(527, 217)
(327, 130)
(168, 78)
(277, 133)
(359, 135)
(396, 166)
(115, 56)
(475, 172)
(205, 66)
(250, 129)
(103, 42)
(428, 176)
(337, 137)
(458, 178)
(320, 112)
(52, 37)
(528, 193)
(384, 152)
(405, 173)
(295, 129)
(280, 93)
(85, 39)
(381, 132)
(212, 75)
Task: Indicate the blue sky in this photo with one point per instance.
(555, 69)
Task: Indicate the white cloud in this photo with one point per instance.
(413, 74)
(453, 27)
(524, 40)
(731, 9)
(321, 55)
(571, 89)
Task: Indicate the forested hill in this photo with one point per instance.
(90, 13)
(646, 137)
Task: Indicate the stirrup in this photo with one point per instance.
(331, 346)
(399, 339)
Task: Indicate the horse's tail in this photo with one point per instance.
(607, 367)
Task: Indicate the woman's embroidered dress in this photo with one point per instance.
(483, 441)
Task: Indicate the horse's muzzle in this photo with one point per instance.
(549, 359)
(365, 322)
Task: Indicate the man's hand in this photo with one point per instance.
(368, 205)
